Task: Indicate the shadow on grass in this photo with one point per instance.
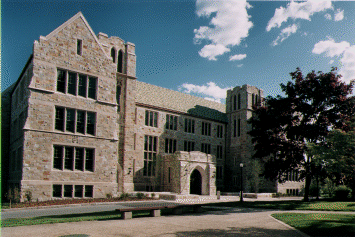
(320, 224)
(232, 231)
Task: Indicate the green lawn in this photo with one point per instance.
(294, 205)
(320, 224)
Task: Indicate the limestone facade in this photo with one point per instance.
(77, 123)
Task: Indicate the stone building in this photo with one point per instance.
(77, 123)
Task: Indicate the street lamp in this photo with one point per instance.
(241, 182)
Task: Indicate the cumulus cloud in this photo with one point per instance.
(211, 90)
(328, 16)
(339, 15)
(285, 33)
(237, 57)
(297, 10)
(344, 50)
(228, 27)
(330, 47)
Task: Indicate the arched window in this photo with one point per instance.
(120, 61)
(234, 102)
(239, 102)
(113, 55)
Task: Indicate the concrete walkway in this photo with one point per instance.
(222, 222)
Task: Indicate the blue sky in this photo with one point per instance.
(199, 47)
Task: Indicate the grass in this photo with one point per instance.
(294, 205)
(320, 224)
(95, 216)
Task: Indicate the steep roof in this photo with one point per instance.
(68, 22)
(173, 100)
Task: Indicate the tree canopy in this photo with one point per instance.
(283, 126)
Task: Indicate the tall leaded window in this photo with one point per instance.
(76, 84)
(82, 85)
(189, 125)
(206, 148)
(61, 80)
(170, 145)
(234, 128)
(73, 158)
(220, 131)
(171, 122)
(219, 152)
(150, 153)
(239, 101)
(206, 129)
(219, 172)
(189, 146)
(113, 55)
(234, 102)
(118, 98)
(151, 118)
(120, 62)
(239, 128)
(59, 118)
(75, 121)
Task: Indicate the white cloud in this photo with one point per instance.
(285, 33)
(343, 49)
(237, 57)
(331, 61)
(240, 65)
(211, 51)
(330, 47)
(211, 90)
(328, 16)
(339, 15)
(297, 10)
(228, 27)
(348, 64)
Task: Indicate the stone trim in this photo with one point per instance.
(62, 182)
(41, 90)
(107, 103)
(64, 133)
(176, 112)
(120, 74)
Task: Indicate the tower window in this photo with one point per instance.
(120, 62)
(79, 47)
(113, 55)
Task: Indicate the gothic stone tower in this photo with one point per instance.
(239, 103)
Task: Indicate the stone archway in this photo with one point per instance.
(196, 182)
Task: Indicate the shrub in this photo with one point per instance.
(108, 195)
(342, 192)
(16, 195)
(140, 195)
(124, 196)
(28, 195)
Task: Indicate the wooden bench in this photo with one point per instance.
(155, 211)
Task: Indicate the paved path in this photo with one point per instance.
(223, 222)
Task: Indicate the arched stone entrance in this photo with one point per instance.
(196, 182)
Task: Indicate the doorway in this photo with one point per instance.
(196, 182)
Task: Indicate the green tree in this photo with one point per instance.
(285, 125)
(337, 153)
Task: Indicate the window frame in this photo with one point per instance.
(150, 155)
(81, 84)
(86, 126)
(189, 125)
(151, 118)
(61, 161)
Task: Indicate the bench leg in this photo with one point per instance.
(154, 213)
(126, 215)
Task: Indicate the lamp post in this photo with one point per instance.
(241, 182)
